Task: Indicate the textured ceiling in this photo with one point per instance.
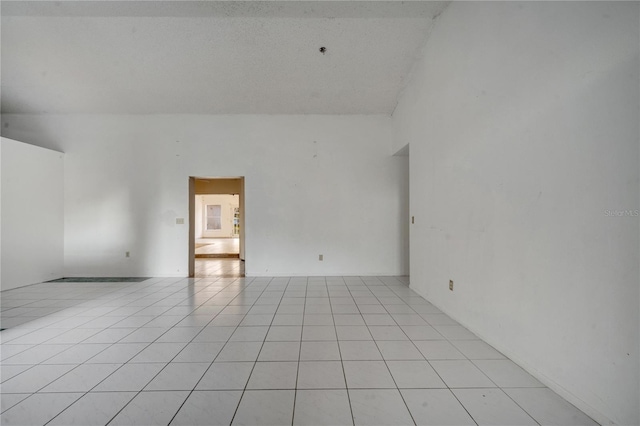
(208, 57)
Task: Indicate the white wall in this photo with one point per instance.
(314, 185)
(198, 222)
(32, 214)
(522, 120)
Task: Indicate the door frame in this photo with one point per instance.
(192, 218)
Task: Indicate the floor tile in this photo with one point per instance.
(208, 408)
(93, 409)
(257, 320)
(438, 319)
(345, 309)
(322, 407)
(239, 351)
(158, 352)
(492, 407)
(285, 333)
(38, 409)
(265, 407)
(263, 309)
(318, 319)
(118, 353)
(110, 335)
(320, 375)
(436, 407)
(78, 354)
(399, 350)
(414, 374)
(477, 349)
(35, 355)
(378, 319)
(548, 408)
(461, 374)
(249, 334)
(319, 351)
(9, 350)
(353, 332)
(179, 334)
(82, 378)
(178, 376)
(150, 408)
(372, 309)
(387, 332)
(35, 378)
(367, 374)
(359, 351)
(318, 332)
(171, 335)
(408, 320)
(379, 407)
(290, 310)
(74, 336)
(223, 320)
(438, 349)
(130, 377)
(421, 332)
(214, 334)
(288, 319)
(226, 376)
(455, 332)
(280, 351)
(199, 352)
(8, 400)
(9, 371)
(505, 373)
(400, 309)
(345, 319)
(273, 375)
(143, 335)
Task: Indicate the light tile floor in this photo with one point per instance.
(255, 351)
(212, 267)
(217, 245)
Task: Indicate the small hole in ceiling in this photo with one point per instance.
(323, 50)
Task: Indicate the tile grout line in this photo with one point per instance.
(344, 374)
(105, 378)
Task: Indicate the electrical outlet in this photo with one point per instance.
(321, 257)
(451, 285)
(179, 221)
(127, 254)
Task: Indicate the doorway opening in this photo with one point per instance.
(216, 227)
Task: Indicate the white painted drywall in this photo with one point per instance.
(32, 214)
(198, 222)
(522, 119)
(313, 185)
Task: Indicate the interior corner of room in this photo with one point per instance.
(512, 200)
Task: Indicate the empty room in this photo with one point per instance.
(320, 213)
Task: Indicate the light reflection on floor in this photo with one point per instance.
(227, 268)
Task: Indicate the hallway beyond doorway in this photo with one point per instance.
(211, 247)
(219, 268)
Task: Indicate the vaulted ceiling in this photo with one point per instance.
(210, 57)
